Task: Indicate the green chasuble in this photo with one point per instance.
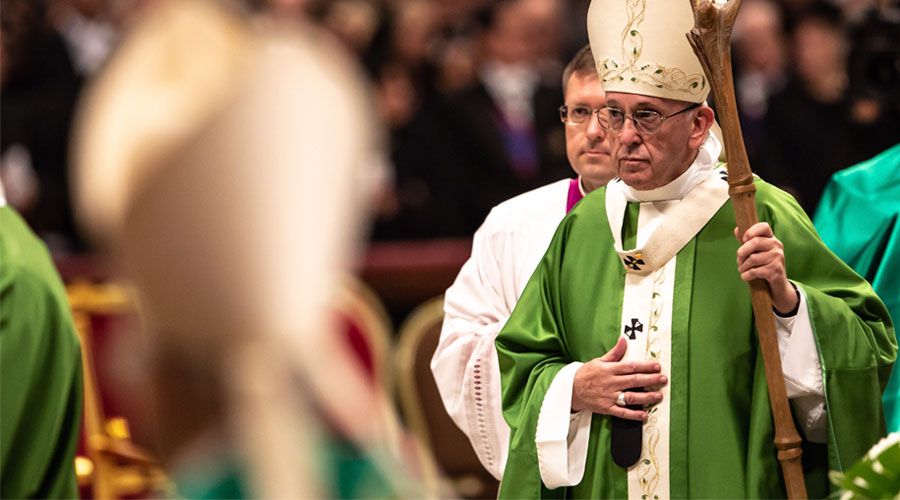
(40, 370)
(721, 430)
(859, 219)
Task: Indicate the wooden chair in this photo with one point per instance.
(444, 444)
(112, 466)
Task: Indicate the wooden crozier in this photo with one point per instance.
(710, 39)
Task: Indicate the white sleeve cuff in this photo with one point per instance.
(813, 418)
(802, 370)
(562, 436)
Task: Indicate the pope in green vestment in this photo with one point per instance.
(859, 219)
(40, 370)
(650, 265)
(721, 425)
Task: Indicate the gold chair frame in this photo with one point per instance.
(411, 332)
(108, 441)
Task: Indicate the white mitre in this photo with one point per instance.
(640, 47)
(205, 123)
(219, 155)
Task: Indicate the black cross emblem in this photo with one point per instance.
(636, 326)
(633, 263)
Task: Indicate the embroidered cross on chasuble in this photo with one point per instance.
(631, 331)
(647, 238)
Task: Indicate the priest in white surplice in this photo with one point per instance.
(505, 251)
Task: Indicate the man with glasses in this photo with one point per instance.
(505, 251)
(630, 366)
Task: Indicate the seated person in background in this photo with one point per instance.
(40, 369)
(506, 249)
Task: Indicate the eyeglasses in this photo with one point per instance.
(579, 115)
(645, 121)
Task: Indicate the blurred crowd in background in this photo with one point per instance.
(464, 100)
(469, 90)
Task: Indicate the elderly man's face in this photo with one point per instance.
(651, 160)
(587, 146)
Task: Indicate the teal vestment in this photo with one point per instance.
(721, 443)
(40, 370)
(859, 219)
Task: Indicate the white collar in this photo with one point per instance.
(515, 79)
(89, 41)
(706, 160)
(581, 186)
(512, 86)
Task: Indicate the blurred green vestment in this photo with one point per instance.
(40, 370)
(721, 428)
(859, 219)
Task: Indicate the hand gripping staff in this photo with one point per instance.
(710, 37)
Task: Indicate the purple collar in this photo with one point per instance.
(574, 194)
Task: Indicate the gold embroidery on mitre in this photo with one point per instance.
(652, 74)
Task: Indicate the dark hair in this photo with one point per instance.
(822, 12)
(486, 16)
(582, 63)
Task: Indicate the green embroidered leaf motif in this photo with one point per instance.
(646, 461)
(654, 328)
(659, 86)
(633, 78)
(633, 32)
(694, 85)
(634, 51)
(657, 71)
(656, 294)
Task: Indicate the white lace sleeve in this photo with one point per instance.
(465, 363)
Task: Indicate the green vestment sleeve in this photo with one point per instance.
(40, 370)
(859, 219)
(721, 431)
(852, 327)
(530, 362)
